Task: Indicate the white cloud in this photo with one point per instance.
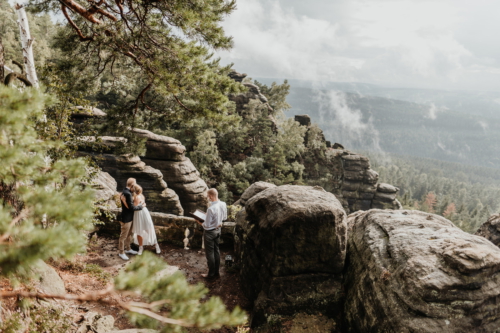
(344, 124)
(394, 42)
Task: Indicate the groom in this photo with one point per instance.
(128, 209)
(216, 213)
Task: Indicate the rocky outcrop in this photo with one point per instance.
(291, 243)
(94, 322)
(253, 93)
(168, 155)
(47, 280)
(252, 190)
(164, 162)
(354, 183)
(159, 197)
(491, 229)
(410, 271)
(105, 188)
(360, 188)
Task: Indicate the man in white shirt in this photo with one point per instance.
(216, 213)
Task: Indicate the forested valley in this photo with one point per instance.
(464, 194)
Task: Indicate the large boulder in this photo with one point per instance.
(491, 229)
(410, 271)
(252, 190)
(292, 247)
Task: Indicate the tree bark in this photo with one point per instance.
(27, 44)
(2, 62)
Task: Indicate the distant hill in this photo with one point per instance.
(465, 134)
(484, 103)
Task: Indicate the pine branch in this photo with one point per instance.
(99, 297)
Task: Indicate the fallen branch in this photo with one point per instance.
(99, 297)
(18, 218)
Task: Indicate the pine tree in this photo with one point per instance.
(45, 208)
(162, 49)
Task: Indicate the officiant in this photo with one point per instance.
(216, 213)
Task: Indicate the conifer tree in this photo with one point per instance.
(46, 206)
(162, 48)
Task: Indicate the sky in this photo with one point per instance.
(438, 44)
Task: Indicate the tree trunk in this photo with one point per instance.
(2, 62)
(27, 44)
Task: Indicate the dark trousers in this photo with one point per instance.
(212, 238)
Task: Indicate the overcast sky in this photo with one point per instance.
(409, 43)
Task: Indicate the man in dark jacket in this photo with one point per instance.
(128, 209)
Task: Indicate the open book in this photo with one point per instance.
(199, 215)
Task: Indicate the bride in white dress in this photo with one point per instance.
(143, 228)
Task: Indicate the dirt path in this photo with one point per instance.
(103, 253)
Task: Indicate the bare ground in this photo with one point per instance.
(103, 252)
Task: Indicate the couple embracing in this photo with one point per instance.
(136, 221)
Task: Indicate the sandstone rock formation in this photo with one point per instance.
(159, 197)
(47, 280)
(164, 164)
(491, 229)
(292, 246)
(355, 183)
(360, 186)
(168, 155)
(410, 271)
(253, 93)
(105, 189)
(252, 190)
(93, 322)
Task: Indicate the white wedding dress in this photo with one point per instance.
(143, 226)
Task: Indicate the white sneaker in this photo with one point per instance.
(141, 248)
(131, 252)
(158, 251)
(123, 256)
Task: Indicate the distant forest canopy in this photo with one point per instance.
(466, 131)
(466, 195)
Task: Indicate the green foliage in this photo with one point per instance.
(146, 61)
(466, 195)
(55, 206)
(41, 319)
(175, 296)
(55, 123)
(258, 144)
(232, 211)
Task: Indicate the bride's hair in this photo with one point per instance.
(137, 189)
